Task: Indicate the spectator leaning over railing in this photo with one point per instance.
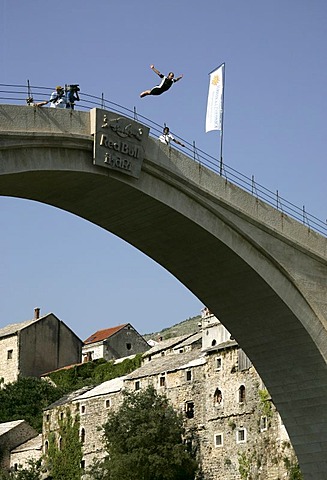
(167, 137)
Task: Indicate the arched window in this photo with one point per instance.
(241, 394)
(218, 397)
(82, 435)
(46, 446)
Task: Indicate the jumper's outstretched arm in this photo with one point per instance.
(155, 70)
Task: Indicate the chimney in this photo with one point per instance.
(36, 313)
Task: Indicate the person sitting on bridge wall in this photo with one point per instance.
(165, 85)
(167, 137)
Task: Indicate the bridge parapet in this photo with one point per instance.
(18, 119)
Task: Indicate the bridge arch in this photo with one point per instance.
(263, 274)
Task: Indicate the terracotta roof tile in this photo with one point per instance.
(103, 334)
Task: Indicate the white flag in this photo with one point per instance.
(215, 100)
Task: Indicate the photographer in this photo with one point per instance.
(72, 95)
(57, 99)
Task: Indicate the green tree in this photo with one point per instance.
(64, 456)
(26, 399)
(144, 441)
(93, 373)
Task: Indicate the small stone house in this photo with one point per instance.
(30, 450)
(173, 345)
(13, 434)
(36, 346)
(112, 343)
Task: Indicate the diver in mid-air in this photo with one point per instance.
(165, 84)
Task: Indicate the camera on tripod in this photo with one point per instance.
(73, 88)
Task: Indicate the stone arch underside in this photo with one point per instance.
(240, 281)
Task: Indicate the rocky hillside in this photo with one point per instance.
(187, 326)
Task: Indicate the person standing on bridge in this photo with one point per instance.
(57, 99)
(167, 137)
(165, 84)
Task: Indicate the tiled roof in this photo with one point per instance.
(66, 367)
(33, 444)
(69, 397)
(104, 334)
(16, 327)
(5, 427)
(196, 337)
(169, 363)
(165, 344)
(110, 386)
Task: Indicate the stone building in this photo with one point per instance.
(116, 342)
(27, 451)
(36, 346)
(13, 434)
(91, 405)
(229, 417)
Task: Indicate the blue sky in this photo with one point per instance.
(274, 128)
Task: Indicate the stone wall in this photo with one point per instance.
(9, 355)
(47, 345)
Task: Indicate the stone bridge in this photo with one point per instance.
(263, 274)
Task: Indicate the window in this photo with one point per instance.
(46, 446)
(83, 409)
(189, 445)
(218, 363)
(241, 394)
(83, 435)
(188, 375)
(218, 439)
(128, 346)
(47, 417)
(241, 435)
(137, 385)
(108, 403)
(263, 424)
(61, 415)
(162, 381)
(83, 464)
(189, 409)
(88, 357)
(9, 354)
(213, 343)
(218, 397)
